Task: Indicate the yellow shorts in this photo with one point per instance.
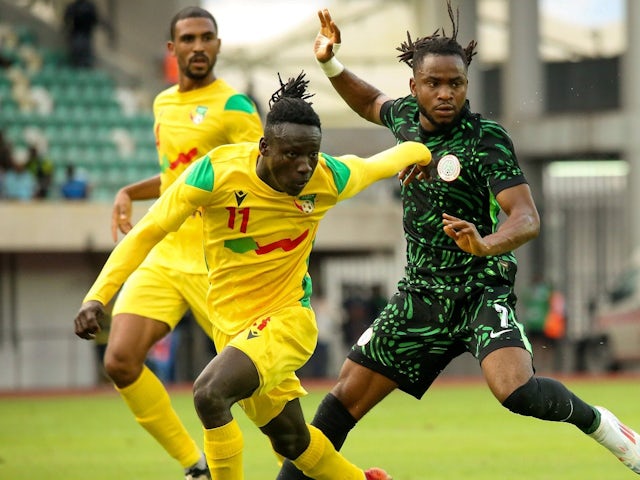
(278, 345)
(164, 294)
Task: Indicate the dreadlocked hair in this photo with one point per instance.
(412, 52)
(289, 104)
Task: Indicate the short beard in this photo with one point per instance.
(439, 126)
(197, 76)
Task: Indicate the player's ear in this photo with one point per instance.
(412, 86)
(263, 146)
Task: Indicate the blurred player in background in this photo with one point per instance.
(458, 291)
(199, 113)
(261, 204)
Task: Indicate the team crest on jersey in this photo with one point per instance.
(306, 203)
(449, 168)
(198, 115)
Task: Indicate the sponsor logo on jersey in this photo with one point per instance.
(449, 168)
(198, 115)
(306, 203)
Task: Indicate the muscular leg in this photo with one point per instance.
(228, 378)
(130, 339)
(360, 389)
(357, 391)
(307, 447)
(509, 374)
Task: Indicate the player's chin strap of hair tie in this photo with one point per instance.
(332, 67)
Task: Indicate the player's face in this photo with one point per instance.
(195, 46)
(289, 157)
(440, 86)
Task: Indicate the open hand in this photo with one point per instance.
(327, 38)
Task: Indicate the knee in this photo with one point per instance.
(122, 369)
(526, 400)
(291, 444)
(207, 399)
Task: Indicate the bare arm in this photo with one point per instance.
(121, 215)
(363, 98)
(522, 224)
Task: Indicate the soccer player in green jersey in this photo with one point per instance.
(261, 204)
(199, 113)
(457, 294)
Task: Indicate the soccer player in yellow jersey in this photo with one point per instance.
(261, 204)
(199, 113)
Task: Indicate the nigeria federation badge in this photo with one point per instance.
(197, 117)
(306, 203)
(449, 168)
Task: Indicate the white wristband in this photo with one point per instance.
(332, 68)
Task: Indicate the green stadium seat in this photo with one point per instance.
(26, 36)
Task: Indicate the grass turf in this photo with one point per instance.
(457, 431)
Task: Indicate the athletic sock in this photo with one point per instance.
(334, 421)
(548, 399)
(150, 403)
(223, 449)
(322, 462)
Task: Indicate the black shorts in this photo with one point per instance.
(417, 334)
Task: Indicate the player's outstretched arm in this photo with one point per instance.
(391, 161)
(362, 97)
(125, 258)
(365, 171)
(122, 205)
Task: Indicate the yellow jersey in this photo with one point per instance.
(188, 125)
(257, 241)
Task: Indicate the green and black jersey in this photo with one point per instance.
(474, 160)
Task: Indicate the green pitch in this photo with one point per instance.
(457, 431)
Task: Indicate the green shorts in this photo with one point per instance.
(417, 334)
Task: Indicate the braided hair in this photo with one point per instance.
(412, 52)
(289, 104)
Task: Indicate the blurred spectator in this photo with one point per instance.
(544, 319)
(378, 301)
(42, 169)
(357, 313)
(19, 182)
(74, 187)
(169, 68)
(6, 155)
(80, 20)
(5, 60)
(162, 357)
